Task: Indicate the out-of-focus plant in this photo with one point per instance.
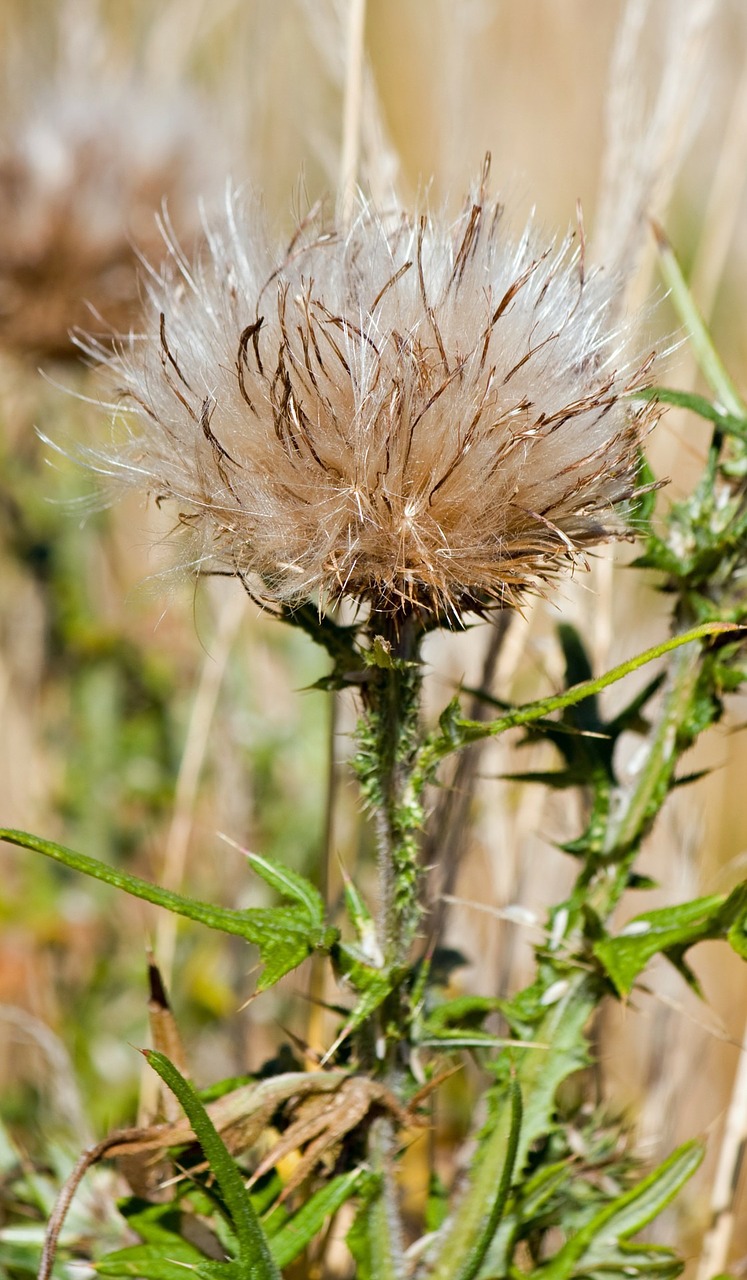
(426, 422)
(93, 143)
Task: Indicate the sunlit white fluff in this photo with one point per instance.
(407, 411)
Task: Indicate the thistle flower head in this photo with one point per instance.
(407, 411)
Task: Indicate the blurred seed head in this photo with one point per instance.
(91, 146)
(405, 411)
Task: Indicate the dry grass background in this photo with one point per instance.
(140, 716)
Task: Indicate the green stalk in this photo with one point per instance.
(255, 1261)
(384, 1225)
(389, 738)
(631, 819)
(709, 361)
(538, 1071)
(663, 752)
(602, 883)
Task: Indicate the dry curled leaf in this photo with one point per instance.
(324, 1120)
(319, 1110)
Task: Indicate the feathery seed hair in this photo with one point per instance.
(406, 412)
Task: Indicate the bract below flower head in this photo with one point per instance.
(409, 411)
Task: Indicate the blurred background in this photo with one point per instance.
(142, 715)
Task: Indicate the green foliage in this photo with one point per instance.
(455, 732)
(476, 1250)
(585, 739)
(671, 931)
(457, 1023)
(254, 1260)
(297, 1233)
(361, 1236)
(553, 1192)
(600, 1244)
(28, 1190)
(709, 362)
(597, 1207)
(285, 936)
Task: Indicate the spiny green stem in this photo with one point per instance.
(663, 752)
(387, 1252)
(389, 741)
(635, 810)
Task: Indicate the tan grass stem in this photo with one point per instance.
(723, 1220)
(645, 144)
(352, 103)
(724, 204)
(230, 613)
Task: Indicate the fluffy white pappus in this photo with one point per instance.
(409, 412)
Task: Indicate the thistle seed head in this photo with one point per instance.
(408, 412)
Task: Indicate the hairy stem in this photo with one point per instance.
(389, 741)
(387, 1253)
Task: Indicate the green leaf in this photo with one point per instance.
(173, 1261)
(437, 1203)
(24, 1258)
(282, 946)
(633, 1211)
(727, 422)
(623, 1217)
(561, 1050)
(525, 1203)
(373, 986)
(300, 1230)
(223, 918)
(457, 1023)
(709, 361)
(147, 1261)
(368, 950)
(462, 1012)
(456, 733)
(284, 937)
(290, 885)
(673, 930)
(358, 1238)
(154, 1223)
(466, 1244)
(637, 1262)
(254, 1252)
